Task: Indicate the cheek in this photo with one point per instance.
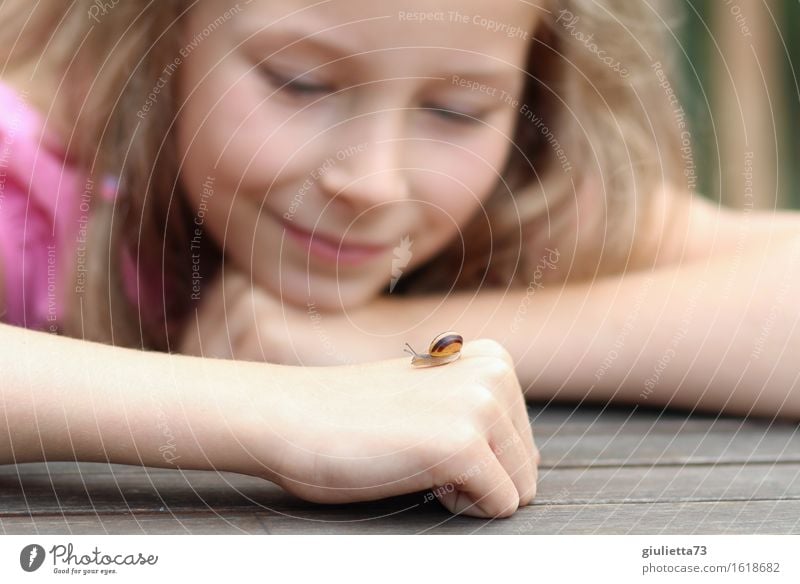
(228, 126)
(455, 185)
(449, 203)
(459, 178)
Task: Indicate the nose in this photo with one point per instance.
(366, 169)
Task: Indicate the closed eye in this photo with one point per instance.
(294, 85)
(455, 116)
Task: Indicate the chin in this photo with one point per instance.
(344, 300)
(336, 301)
(321, 294)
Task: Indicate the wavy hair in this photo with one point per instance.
(594, 118)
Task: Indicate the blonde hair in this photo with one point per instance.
(586, 120)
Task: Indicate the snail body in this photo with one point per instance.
(444, 348)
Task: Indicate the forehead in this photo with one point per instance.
(476, 30)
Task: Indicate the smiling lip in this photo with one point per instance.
(331, 250)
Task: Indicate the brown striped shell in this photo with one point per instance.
(447, 343)
(445, 348)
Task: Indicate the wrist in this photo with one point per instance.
(209, 413)
(100, 403)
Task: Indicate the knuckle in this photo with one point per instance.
(497, 369)
(457, 445)
(484, 406)
(454, 458)
(493, 348)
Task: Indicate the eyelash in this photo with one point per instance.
(454, 116)
(301, 88)
(295, 86)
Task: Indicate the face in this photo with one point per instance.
(331, 146)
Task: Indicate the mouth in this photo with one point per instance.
(333, 250)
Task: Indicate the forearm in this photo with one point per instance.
(718, 335)
(66, 399)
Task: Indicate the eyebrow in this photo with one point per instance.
(305, 39)
(310, 40)
(482, 74)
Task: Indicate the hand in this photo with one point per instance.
(238, 320)
(374, 430)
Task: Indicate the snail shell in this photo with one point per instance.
(446, 344)
(444, 348)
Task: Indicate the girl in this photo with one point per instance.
(286, 184)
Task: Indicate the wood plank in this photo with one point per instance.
(613, 470)
(143, 490)
(658, 448)
(136, 524)
(731, 482)
(564, 419)
(597, 436)
(134, 490)
(572, 449)
(746, 517)
(610, 436)
(158, 490)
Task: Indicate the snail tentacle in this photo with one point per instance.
(445, 348)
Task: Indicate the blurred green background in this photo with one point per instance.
(740, 66)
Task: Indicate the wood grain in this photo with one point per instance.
(620, 470)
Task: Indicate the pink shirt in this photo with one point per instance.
(45, 204)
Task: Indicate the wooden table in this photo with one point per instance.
(605, 471)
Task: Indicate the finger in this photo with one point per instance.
(238, 306)
(480, 488)
(198, 339)
(481, 348)
(212, 318)
(519, 416)
(215, 312)
(515, 406)
(511, 451)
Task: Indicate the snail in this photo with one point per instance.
(444, 348)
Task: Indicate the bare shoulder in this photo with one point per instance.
(689, 227)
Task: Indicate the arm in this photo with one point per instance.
(326, 435)
(66, 399)
(719, 337)
(711, 323)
